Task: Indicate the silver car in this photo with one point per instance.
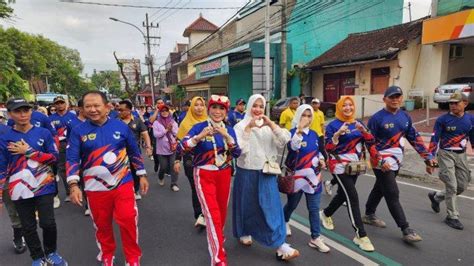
(443, 92)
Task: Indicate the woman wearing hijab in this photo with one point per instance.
(256, 205)
(196, 114)
(165, 130)
(345, 138)
(214, 146)
(305, 160)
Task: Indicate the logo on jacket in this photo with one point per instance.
(38, 124)
(116, 135)
(91, 136)
(40, 142)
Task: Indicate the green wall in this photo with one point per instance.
(446, 7)
(240, 82)
(316, 26)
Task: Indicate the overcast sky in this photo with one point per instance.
(88, 29)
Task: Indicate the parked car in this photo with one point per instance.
(329, 109)
(443, 92)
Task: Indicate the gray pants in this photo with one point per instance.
(7, 201)
(167, 166)
(455, 174)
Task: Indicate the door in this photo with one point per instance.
(338, 84)
(379, 80)
(331, 90)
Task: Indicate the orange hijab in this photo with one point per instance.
(340, 114)
(191, 118)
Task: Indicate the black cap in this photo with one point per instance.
(392, 90)
(15, 103)
(187, 103)
(239, 101)
(59, 99)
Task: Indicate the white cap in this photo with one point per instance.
(315, 100)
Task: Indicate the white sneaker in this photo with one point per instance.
(57, 178)
(328, 187)
(246, 240)
(175, 188)
(326, 221)
(318, 244)
(200, 221)
(161, 182)
(364, 243)
(286, 253)
(87, 212)
(67, 199)
(57, 202)
(138, 196)
(288, 229)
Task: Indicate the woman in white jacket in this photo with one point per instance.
(257, 209)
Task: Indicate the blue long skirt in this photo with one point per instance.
(257, 209)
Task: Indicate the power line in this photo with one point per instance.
(147, 7)
(159, 10)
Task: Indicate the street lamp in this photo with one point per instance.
(149, 61)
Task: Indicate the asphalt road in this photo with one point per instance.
(167, 235)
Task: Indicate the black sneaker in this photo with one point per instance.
(454, 223)
(410, 236)
(373, 220)
(18, 241)
(434, 202)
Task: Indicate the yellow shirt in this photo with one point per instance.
(318, 122)
(287, 117)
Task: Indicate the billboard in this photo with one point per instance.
(216, 67)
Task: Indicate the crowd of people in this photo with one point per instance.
(97, 151)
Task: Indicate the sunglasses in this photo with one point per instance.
(220, 98)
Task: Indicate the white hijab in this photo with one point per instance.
(299, 113)
(248, 113)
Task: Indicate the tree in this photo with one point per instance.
(11, 84)
(108, 79)
(6, 11)
(34, 58)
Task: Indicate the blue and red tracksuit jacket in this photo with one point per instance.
(390, 131)
(203, 152)
(102, 155)
(234, 117)
(350, 146)
(60, 123)
(307, 156)
(452, 133)
(38, 120)
(29, 175)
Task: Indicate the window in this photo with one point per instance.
(380, 80)
(455, 51)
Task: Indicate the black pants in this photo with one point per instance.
(26, 210)
(167, 163)
(386, 186)
(322, 148)
(346, 191)
(62, 165)
(189, 172)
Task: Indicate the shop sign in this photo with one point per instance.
(217, 67)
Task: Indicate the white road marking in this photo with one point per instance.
(346, 251)
(425, 188)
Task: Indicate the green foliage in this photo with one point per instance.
(5, 11)
(179, 92)
(26, 57)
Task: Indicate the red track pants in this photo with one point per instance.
(118, 204)
(213, 188)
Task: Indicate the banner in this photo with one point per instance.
(216, 67)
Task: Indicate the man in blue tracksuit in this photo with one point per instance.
(390, 126)
(26, 155)
(451, 133)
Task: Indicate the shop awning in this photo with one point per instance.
(450, 28)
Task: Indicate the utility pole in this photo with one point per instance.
(409, 10)
(284, 68)
(149, 57)
(267, 55)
